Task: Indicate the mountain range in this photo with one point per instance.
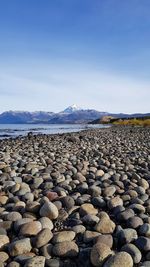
(72, 114)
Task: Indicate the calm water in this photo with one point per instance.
(14, 130)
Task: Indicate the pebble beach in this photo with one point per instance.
(76, 199)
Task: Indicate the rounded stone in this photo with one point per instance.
(142, 182)
(49, 210)
(4, 240)
(13, 216)
(109, 191)
(99, 173)
(28, 196)
(67, 202)
(138, 208)
(13, 264)
(33, 207)
(2, 165)
(133, 251)
(94, 191)
(90, 236)
(19, 247)
(46, 223)
(3, 200)
(63, 236)
(86, 209)
(121, 259)
(19, 223)
(54, 263)
(105, 225)
(7, 225)
(78, 229)
(43, 237)
(58, 204)
(99, 253)
(114, 202)
(105, 239)
(3, 256)
(51, 195)
(80, 177)
(30, 228)
(66, 249)
(35, 261)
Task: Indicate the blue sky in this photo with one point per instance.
(95, 53)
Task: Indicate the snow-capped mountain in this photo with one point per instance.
(72, 114)
(72, 108)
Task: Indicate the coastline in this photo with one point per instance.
(63, 195)
(15, 130)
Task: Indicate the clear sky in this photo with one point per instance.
(95, 53)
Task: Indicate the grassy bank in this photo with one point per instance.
(132, 121)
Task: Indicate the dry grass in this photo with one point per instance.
(134, 122)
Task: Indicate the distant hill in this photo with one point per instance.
(72, 114)
(117, 117)
(15, 117)
(136, 121)
(102, 120)
(79, 116)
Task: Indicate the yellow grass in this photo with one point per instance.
(135, 122)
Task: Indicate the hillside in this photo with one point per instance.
(137, 121)
(71, 115)
(132, 119)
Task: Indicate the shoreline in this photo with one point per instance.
(52, 131)
(66, 197)
(88, 130)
